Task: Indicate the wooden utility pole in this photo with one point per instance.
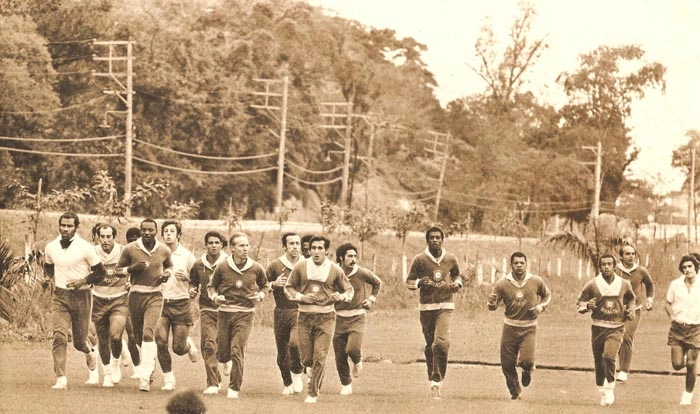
(125, 93)
(598, 151)
(440, 143)
(331, 112)
(269, 94)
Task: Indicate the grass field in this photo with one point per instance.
(392, 382)
(394, 379)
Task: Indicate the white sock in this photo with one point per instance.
(149, 351)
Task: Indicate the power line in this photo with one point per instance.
(73, 140)
(410, 192)
(208, 157)
(293, 164)
(64, 154)
(68, 42)
(186, 102)
(63, 59)
(49, 111)
(205, 172)
(313, 182)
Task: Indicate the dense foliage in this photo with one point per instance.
(198, 127)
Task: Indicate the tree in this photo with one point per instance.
(605, 234)
(27, 97)
(600, 96)
(503, 71)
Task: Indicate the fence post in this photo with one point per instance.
(479, 274)
(504, 267)
(588, 269)
(404, 268)
(580, 269)
(558, 266)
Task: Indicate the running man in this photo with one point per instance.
(199, 280)
(177, 307)
(236, 285)
(524, 296)
(317, 284)
(149, 263)
(436, 273)
(131, 349)
(611, 301)
(306, 245)
(110, 305)
(74, 265)
(350, 316)
(643, 287)
(683, 307)
(285, 315)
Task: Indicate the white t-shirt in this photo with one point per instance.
(182, 259)
(73, 263)
(685, 304)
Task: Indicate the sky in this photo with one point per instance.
(668, 31)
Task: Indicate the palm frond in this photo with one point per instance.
(572, 241)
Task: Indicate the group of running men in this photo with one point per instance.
(148, 286)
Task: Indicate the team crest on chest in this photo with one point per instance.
(519, 295)
(315, 288)
(239, 284)
(609, 304)
(437, 276)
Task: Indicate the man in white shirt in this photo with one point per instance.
(683, 307)
(177, 307)
(74, 265)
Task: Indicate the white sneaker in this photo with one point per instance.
(357, 369)
(686, 398)
(603, 395)
(297, 383)
(213, 390)
(116, 370)
(168, 381)
(192, 353)
(227, 368)
(288, 390)
(346, 389)
(609, 397)
(61, 383)
(311, 400)
(622, 376)
(136, 374)
(232, 394)
(107, 381)
(93, 377)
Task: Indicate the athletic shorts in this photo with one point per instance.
(106, 307)
(178, 311)
(684, 335)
